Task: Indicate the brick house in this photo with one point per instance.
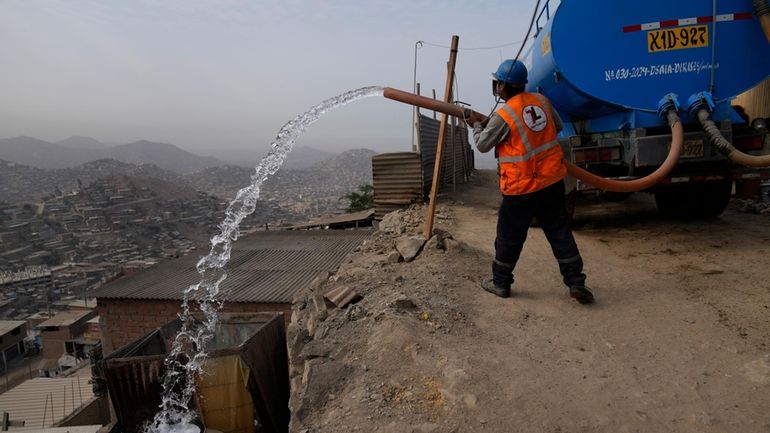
(12, 334)
(61, 328)
(265, 272)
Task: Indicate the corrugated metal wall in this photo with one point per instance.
(397, 179)
(756, 101)
(457, 159)
(403, 178)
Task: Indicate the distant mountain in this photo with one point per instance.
(42, 154)
(80, 142)
(164, 155)
(24, 183)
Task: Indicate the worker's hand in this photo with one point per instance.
(472, 117)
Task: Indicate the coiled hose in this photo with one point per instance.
(717, 139)
(677, 138)
(762, 9)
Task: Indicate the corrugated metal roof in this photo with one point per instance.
(339, 219)
(71, 429)
(43, 402)
(266, 267)
(66, 318)
(7, 326)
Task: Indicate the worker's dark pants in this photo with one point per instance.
(516, 212)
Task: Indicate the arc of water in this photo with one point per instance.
(182, 362)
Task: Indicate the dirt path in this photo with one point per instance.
(677, 341)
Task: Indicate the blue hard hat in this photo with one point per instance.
(511, 72)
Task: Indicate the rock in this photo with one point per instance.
(452, 246)
(404, 303)
(319, 303)
(321, 332)
(393, 257)
(355, 312)
(320, 378)
(442, 234)
(409, 247)
(342, 296)
(434, 243)
(311, 323)
(316, 349)
(297, 341)
(393, 222)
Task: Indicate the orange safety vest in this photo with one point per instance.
(531, 158)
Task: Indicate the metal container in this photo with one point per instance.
(251, 347)
(600, 58)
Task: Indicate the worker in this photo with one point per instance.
(523, 133)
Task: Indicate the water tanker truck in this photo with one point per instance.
(645, 91)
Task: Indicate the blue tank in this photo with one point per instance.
(608, 64)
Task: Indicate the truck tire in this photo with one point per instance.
(694, 201)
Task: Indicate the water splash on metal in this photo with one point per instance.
(188, 353)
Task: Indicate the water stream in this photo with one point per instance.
(189, 350)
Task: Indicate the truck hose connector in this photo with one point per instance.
(716, 138)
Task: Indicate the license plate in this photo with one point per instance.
(677, 38)
(692, 149)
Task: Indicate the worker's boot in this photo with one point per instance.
(490, 286)
(581, 294)
(501, 281)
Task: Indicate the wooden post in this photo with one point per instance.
(440, 145)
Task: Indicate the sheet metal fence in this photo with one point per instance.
(403, 178)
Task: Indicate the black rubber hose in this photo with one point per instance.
(761, 7)
(716, 138)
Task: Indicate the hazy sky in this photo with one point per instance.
(220, 77)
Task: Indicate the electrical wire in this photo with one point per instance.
(494, 47)
(529, 30)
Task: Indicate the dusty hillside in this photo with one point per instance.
(677, 341)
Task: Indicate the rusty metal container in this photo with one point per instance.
(246, 376)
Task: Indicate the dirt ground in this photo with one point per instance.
(678, 340)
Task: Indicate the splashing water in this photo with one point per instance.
(188, 351)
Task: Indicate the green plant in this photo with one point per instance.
(362, 199)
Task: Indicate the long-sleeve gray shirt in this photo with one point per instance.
(497, 131)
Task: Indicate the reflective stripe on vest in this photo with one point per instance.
(519, 126)
(530, 154)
